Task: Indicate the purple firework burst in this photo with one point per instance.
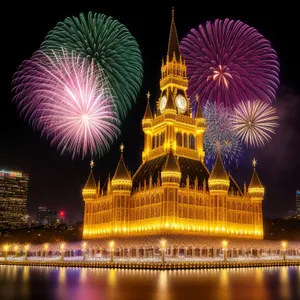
(229, 61)
(68, 99)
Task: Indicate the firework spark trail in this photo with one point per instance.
(254, 122)
(229, 61)
(219, 131)
(110, 44)
(68, 99)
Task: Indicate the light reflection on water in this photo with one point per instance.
(93, 284)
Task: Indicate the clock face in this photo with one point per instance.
(181, 103)
(163, 103)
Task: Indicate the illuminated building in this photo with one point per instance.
(173, 192)
(46, 216)
(298, 202)
(13, 198)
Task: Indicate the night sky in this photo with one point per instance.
(56, 181)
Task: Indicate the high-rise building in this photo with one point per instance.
(13, 198)
(173, 192)
(46, 216)
(298, 201)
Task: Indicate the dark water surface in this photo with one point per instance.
(93, 284)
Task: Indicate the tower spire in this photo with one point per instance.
(173, 46)
(171, 171)
(121, 172)
(122, 179)
(218, 181)
(171, 164)
(255, 181)
(148, 113)
(90, 189)
(218, 171)
(91, 183)
(256, 189)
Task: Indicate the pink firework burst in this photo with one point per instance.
(229, 61)
(221, 75)
(68, 99)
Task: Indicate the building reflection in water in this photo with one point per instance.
(62, 276)
(162, 285)
(99, 284)
(112, 278)
(25, 276)
(224, 288)
(83, 275)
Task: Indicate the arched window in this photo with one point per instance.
(157, 198)
(185, 140)
(162, 138)
(157, 140)
(152, 199)
(179, 139)
(153, 142)
(191, 141)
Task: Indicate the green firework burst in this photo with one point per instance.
(110, 43)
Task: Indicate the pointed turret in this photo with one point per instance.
(148, 113)
(89, 191)
(121, 172)
(122, 179)
(147, 123)
(218, 181)
(218, 171)
(171, 171)
(256, 189)
(255, 181)
(90, 183)
(171, 164)
(173, 46)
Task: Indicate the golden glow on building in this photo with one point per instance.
(172, 192)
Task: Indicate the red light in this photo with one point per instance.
(61, 213)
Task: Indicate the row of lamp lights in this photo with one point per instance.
(163, 244)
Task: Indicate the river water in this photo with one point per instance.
(22, 283)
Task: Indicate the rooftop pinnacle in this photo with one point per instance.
(148, 113)
(91, 183)
(171, 164)
(218, 171)
(255, 181)
(173, 46)
(121, 171)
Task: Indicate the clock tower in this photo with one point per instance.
(173, 83)
(173, 125)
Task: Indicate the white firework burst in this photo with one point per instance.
(255, 122)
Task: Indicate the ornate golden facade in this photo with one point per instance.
(173, 192)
